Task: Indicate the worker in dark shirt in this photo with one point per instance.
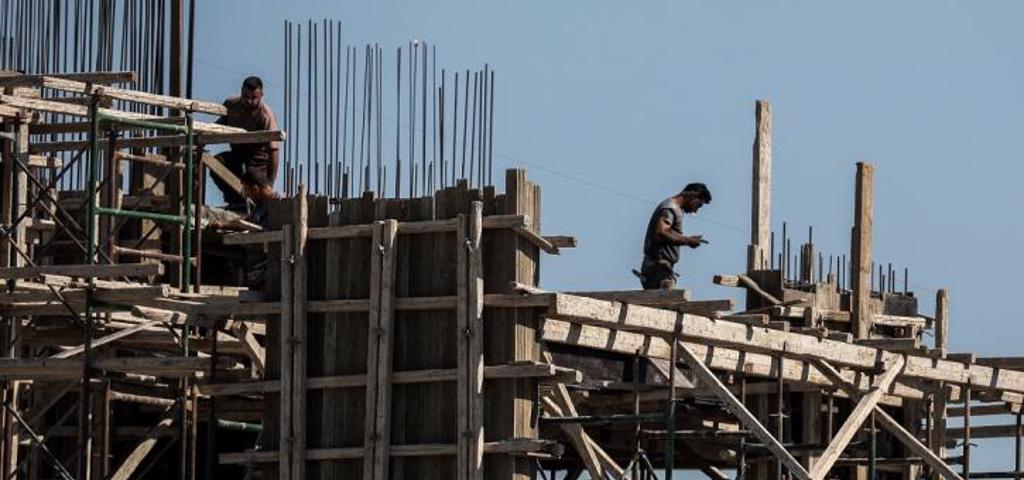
(254, 163)
(665, 236)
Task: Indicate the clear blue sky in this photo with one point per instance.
(612, 106)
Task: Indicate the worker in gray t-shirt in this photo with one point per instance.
(665, 236)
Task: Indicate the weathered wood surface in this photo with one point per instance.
(860, 249)
(639, 319)
(761, 189)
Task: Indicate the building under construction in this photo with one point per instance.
(373, 336)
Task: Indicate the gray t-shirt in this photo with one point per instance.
(655, 250)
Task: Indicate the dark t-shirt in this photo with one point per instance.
(655, 250)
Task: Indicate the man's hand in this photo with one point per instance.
(694, 241)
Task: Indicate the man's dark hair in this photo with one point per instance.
(699, 190)
(252, 83)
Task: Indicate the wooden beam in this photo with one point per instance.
(164, 141)
(518, 446)
(716, 358)
(379, 358)
(299, 333)
(914, 445)
(285, 433)
(491, 372)
(142, 450)
(697, 329)
(894, 427)
(860, 249)
(256, 352)
(177, 103)
(217, 168)
(469, 341)
(577, 436)
(761, 190)
(740, 412)
(85, 271)
(15, 79)
(83, 111)
(106, 339)
(855, 420)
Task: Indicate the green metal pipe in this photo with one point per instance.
(159, 217)
(143, 123)
(240, 426)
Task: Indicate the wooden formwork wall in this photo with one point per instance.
(426, 266)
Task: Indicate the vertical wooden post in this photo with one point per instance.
(863, 218)
(286, 398)
(967, 431)
(938, 433)
(177, 42)
(761, 191)
(379, 359)
(7, 170)
(470, 285)
(299, 337)
(941, 320)
(19, 200)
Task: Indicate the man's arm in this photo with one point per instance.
(671, 237)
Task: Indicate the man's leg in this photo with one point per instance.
(236, 165)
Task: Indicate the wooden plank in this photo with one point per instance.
(71, 352)
(860, 249)
(740, 411)
(217, 168)
(491, 372)
(83, 111)
(577, 436)
(165, 141)
(379, 357)
(45, 368)
(754, 287)
(16, 79)
(421, 227)
(285, 433)
(142, 450)
(894, 427)
(716, 358)
(761, 189)
(914, 445)
(698, 329)
(177, 103)
(299, 290)
(256, 352)
(85, 271)
(469, 330)
(518, 446)
(562, 241)
(855, 420)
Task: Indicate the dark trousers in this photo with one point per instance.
(236, 164)
(657, 275)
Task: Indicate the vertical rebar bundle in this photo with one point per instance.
(334, 111)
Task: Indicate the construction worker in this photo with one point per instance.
(665, 236)
(254, 163)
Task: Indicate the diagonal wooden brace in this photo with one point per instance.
(891, 425)
(860, 413)
(740, 411)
